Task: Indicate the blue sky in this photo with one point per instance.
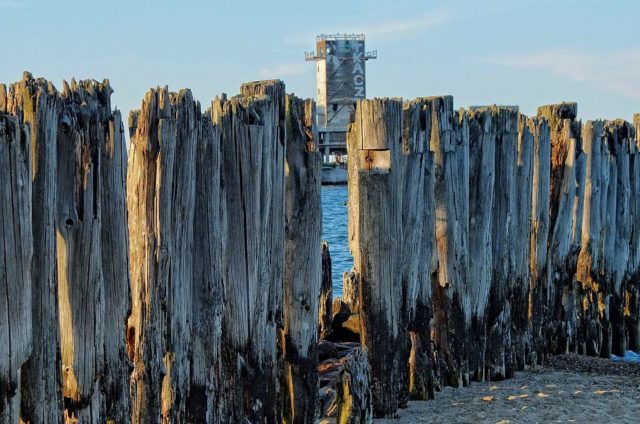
(482, 52)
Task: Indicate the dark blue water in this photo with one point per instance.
(334, 230)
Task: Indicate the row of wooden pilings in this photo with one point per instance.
(179, 280)
(485, 240)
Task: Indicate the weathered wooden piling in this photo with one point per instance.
(564, 203)
(303, 260)
(607, 264)
(35, 102)
(161, 202)
(418, 249)
(591, 258)
(90, 279)
(16, 250)
(483, 126)
(619, 136)
(78, 159)
(253, 155)
(451, 301)
(203, 401)
(115, 262)
(539, 269)
(374, 144)
(504, 244)
(521, 245)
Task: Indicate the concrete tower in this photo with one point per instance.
(340, 80)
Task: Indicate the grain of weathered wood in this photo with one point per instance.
(419, 255)
(253, 152)
(203, 401)
(452, 311)
(94, 367)
(303, 260)
(36, 103)
(521, 245)
(115, 264)
(16, 250)
(499, 317)
(161, 203)
(72, 132)
(565, 151)
(619, 136)
(540, 272)
(607, 289)
(375, 154)
(590, 258)
(483, 127)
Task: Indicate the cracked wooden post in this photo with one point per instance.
(203, 401)
(607, 259)
(78, 163)
(419, 254)
(590, 273)
(253, 155)
(567, 167)
(303, 260)
(499, 356)
(619, 137)
(16, 250)
(161, 193)
(374, 146)
(36, 103)
(115, 263)
(93, 284)
(483, 126)
(539, 270)
(450, 143)
(521, 245)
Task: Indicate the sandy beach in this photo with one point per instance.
(568, 389)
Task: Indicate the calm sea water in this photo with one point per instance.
(334, 230)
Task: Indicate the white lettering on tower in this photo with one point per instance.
(358, 72)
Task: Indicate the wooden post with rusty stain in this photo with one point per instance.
(375, 184)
